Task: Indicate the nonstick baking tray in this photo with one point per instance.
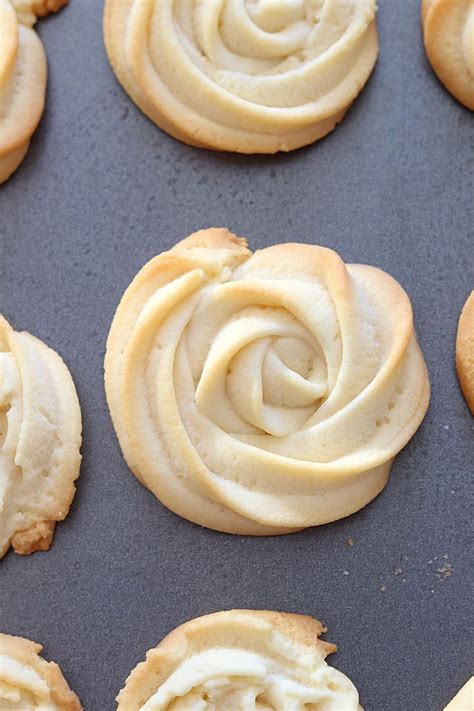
(101, 191)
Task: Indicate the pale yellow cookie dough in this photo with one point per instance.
(240, 659)
(22, 78)
(30, 683)
(448, 30)
(239, 76)
(262, 393)
(40, 438)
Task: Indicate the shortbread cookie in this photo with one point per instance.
(242, 76)
(448, 30)
(464, 700)
(262, 393)
(22, 78)
(40, 438)
(30, 683)
(241, 659)
(465, 351)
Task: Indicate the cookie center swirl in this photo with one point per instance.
(265, 52)
(272, 370)
(259, 35)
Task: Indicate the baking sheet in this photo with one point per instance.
(102, 191)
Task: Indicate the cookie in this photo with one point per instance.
(464, 700)
(240, 76)
(448, 32)
(22, 78)
(40, 438)
(240, 659)
(465, 351)
(263, 393)
(29, 682)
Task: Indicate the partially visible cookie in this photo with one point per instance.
(250, 77)
(23, 75)
(40, 438)
(448, 30)
(240, 659)
(465, 351)
(28, 11)
(30, 683)
(464, 700)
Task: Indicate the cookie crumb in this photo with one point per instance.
(345, 572)
(383, 588)
(445, 571)
(350, 542)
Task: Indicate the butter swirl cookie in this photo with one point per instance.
(240, 659)
(262, 393)
(252, 76)
(40, 438)
(30, 683)
(448, 29)
(23, 74)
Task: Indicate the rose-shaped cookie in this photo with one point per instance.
(258, 394)
(234, 75)
(40, 438)
(30, 683)
(448, 30)
(22, 78)
(240, 659)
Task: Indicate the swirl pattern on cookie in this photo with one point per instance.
(30, 683)
(240, 659)
(252, 76)
(23, 75)
(262, 393)
(40, 438)
(448, 29)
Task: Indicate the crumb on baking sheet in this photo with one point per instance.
(444, 568)
(445, 571)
